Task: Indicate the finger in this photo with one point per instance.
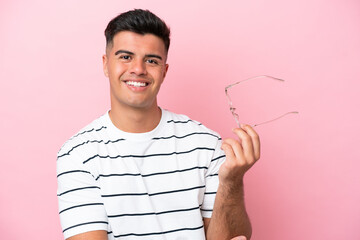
(246, 142)
(255, 139)
(236, 148)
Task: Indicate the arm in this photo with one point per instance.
(81, 208)
(229, 218)
(93, 235)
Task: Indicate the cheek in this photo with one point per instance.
(159, 73)
(116, 70)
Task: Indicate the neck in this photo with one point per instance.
(135, 120)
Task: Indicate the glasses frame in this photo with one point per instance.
(232, 108)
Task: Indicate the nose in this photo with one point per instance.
(138, 67)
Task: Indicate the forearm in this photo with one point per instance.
(229, 218)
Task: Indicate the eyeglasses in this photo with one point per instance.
(232, 108)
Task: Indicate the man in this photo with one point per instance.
(141, 172)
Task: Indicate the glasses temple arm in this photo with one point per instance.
(248, 79)
(294, 112)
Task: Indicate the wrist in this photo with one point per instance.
(232, 184)
(232, 192)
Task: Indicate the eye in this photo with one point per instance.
(152, 61)
(125, 57)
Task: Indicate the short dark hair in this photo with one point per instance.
(139, 21)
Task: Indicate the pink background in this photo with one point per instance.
(306, 185)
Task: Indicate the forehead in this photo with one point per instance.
(138, 43)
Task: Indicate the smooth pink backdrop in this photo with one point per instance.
(306, 185)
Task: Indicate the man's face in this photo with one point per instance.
(136, 67)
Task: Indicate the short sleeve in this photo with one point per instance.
(212, 181)
(80, 206)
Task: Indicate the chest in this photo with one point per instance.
(149, 179)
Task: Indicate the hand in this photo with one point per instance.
(240, 155)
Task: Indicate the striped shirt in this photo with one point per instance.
(153, 185)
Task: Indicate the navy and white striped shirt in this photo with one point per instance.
(154, 185)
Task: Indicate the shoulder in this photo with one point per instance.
(90, 132)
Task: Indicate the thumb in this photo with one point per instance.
(229, 152)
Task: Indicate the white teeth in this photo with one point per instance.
(136, 84)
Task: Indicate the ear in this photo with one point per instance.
(105, 67)
(165, 70)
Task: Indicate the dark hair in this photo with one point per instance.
(138, 21)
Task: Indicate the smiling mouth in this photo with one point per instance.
(136, 84)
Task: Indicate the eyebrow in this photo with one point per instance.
(123, 51)
(131, 53)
